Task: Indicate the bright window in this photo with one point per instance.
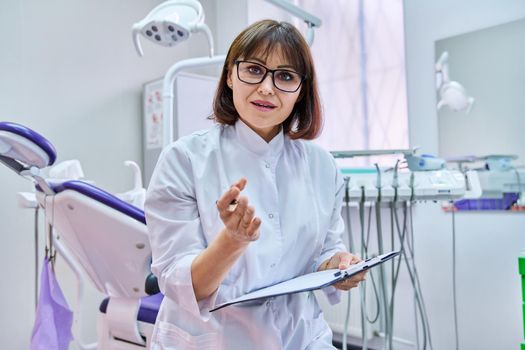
(359, 54)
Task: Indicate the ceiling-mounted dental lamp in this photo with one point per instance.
(310, 20)
(451, 93)
(172, 22)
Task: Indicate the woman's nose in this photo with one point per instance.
(266, 86)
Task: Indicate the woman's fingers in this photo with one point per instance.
(238, 212)
(227, 198)
(344, 261)
(351, 282)
(341, 261)
(238, 217)
(240, 184)
(361, 276)
(248, 225)
(346, 285)
(253, 229)
(242, 221)
(247, 217)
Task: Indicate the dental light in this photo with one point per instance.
(451, 93)
(171, 23)
(310, 20)
(168, 18)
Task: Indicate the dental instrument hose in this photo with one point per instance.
(374, 319)
(402, 234)
(412, 274)
(412, 271)
(365, 319)
(411, 236)
(392, 265)
(454, 289)
(362, 286)
(383, 296)
(382, 278)
(351, 247)
(395, 274)
(417, 277)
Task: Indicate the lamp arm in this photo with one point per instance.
(204, 28)
(168, 87)
(442, 66)
(135, 34)
(310, 34)
(297, 11)
(196, 5)
(310, 20)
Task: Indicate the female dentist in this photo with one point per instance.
(247, 204)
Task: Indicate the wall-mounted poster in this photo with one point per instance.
(153, 114)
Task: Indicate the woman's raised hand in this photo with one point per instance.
(238, 216)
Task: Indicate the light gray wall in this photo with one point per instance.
(69, 71)
(489, 64)
(231, 18)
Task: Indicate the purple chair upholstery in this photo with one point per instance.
(32, 136)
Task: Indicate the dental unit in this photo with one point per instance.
(374, 191)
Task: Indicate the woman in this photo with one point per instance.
(247, 204)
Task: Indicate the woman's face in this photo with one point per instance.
(262, 106)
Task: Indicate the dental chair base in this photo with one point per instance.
(145, 320)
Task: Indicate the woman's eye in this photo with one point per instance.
(255, 70)
(286, 76)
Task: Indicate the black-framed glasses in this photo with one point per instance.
(283, 79)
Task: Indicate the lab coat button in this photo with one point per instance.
(270, 216)
(267, 165)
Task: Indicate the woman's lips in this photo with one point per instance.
(263, 106)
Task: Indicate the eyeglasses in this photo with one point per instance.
(283, 79)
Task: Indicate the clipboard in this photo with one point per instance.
(311, 281)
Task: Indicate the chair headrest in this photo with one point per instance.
(25, 145)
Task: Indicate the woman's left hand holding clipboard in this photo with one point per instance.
(342, 261)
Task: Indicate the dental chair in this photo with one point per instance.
(98, 235)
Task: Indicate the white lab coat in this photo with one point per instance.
(296, 190)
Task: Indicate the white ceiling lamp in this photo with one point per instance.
(168, 24)
(172, 22)
(451, 93)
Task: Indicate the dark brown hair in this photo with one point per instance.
(262, 38)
